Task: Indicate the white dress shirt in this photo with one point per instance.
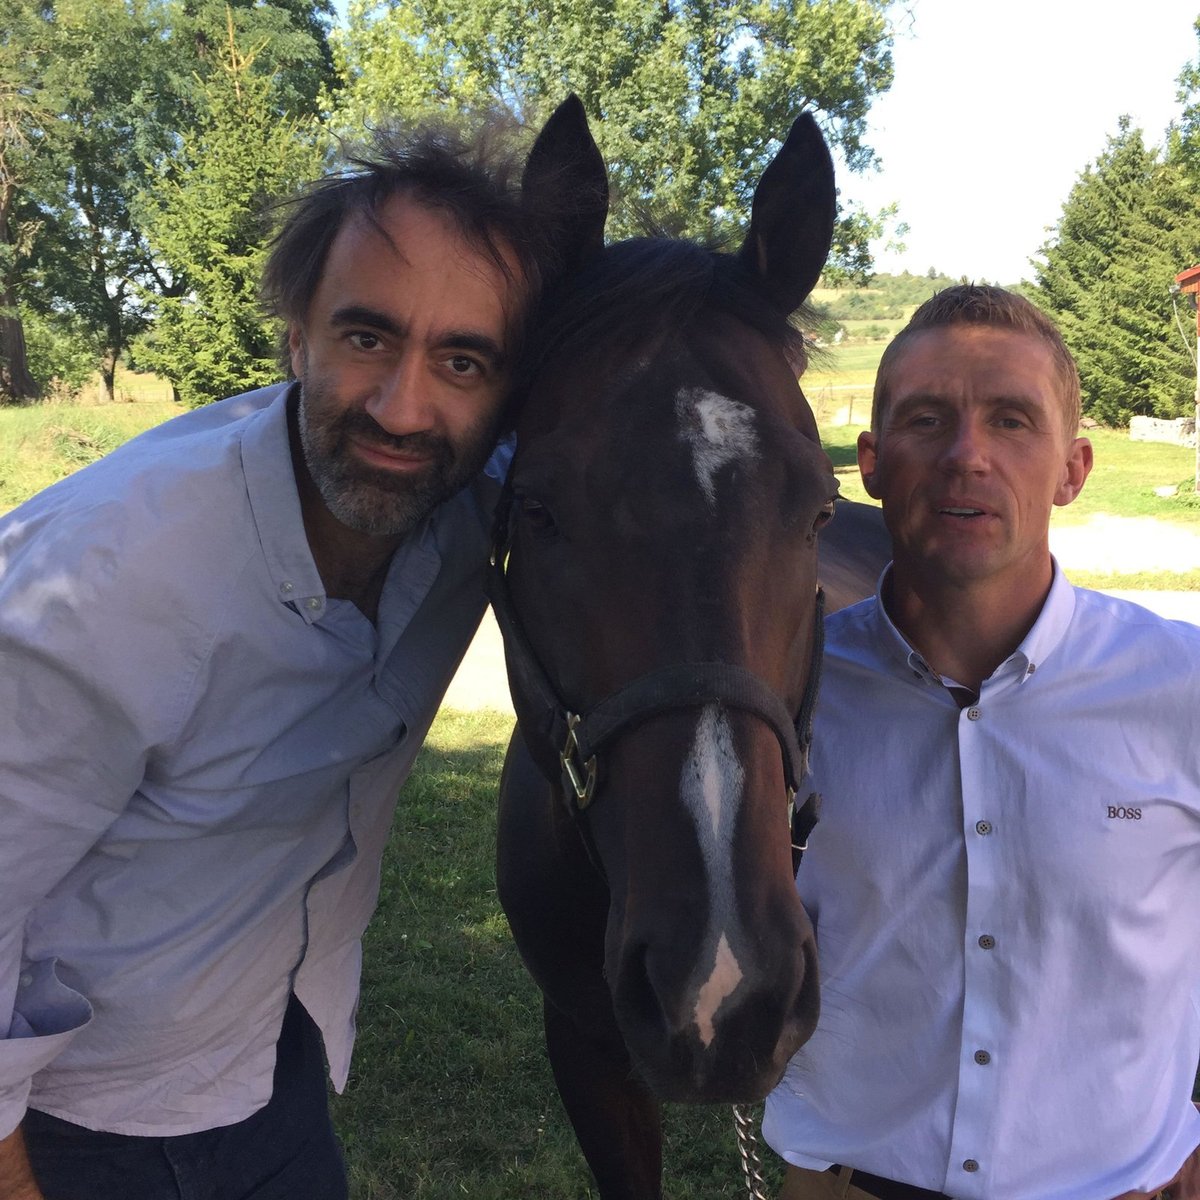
(1007, 908)
(199, 760)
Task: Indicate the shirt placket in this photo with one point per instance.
(968, 1169)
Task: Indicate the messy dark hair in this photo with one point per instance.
(474, 180)
(996, 308)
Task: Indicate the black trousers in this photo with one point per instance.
(285, 1151)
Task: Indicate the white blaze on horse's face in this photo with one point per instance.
(719, 431)
(711, 785)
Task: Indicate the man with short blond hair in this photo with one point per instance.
(1005, 879)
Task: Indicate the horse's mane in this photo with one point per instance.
(637, 291)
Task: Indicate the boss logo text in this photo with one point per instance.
(1118, 812)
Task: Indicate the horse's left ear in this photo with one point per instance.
(565, 186)
(791, 221)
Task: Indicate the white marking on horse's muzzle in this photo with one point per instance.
(718, 430)
(726, 975)
(711, 785)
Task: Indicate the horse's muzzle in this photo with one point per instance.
(722, 1028)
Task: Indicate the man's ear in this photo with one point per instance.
(297, 351)
(1076, 470)
(565, 187)
(868, 459)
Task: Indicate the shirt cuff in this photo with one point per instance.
(46, 1016)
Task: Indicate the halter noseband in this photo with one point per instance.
(577, 738)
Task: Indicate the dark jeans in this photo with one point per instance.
(285, 1151)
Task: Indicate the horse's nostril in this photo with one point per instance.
(644, 995)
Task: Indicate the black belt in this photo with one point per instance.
(888, 1189)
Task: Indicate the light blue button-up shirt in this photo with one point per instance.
(1007, 908)
(199, 760)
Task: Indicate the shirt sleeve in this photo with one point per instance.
(80, 716)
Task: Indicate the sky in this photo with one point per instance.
(998, 105)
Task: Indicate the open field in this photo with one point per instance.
(839, 382)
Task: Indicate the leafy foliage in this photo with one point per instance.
(688, 98)
(884, 298)
(120, 96)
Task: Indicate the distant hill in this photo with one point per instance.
(875, 311)
(885, 298)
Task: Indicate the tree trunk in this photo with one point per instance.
(108, 374)
(16, 383)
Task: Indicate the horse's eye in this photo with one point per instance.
(536, 513)
(824, 516)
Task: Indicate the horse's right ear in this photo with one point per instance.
(565, 187)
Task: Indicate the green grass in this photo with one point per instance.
(839, 382)
(41, 444)
(451, 1093)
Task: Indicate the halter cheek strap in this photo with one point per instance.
(578, 738)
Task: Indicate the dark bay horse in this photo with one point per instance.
(655, 579)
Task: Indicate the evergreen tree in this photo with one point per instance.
(1128, 226)
(207, 219)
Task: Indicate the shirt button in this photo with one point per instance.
(970, 1165)
(982, 1057)
(27, 980)
(973, 714)
(287, 587)
(313, 602)
(983, 828)
(987, 942)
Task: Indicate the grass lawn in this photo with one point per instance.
(42, 444)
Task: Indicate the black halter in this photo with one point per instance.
(577, 738)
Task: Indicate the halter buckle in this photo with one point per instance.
(582, 776)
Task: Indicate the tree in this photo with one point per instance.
(689, 97)
(119, 79)
(1129, 224)
(24, 119)
(206, 218)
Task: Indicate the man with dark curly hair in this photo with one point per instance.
(222, 647)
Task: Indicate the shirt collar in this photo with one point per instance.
(275, 504)
(1047, 631)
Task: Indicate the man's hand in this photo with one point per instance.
(16, 1175)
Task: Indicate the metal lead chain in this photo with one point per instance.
(747, 1144)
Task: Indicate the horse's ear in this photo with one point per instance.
(791, 222)
(565, 186)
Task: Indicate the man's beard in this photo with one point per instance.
(374, 500)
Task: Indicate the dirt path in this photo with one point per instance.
(1106, 543)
